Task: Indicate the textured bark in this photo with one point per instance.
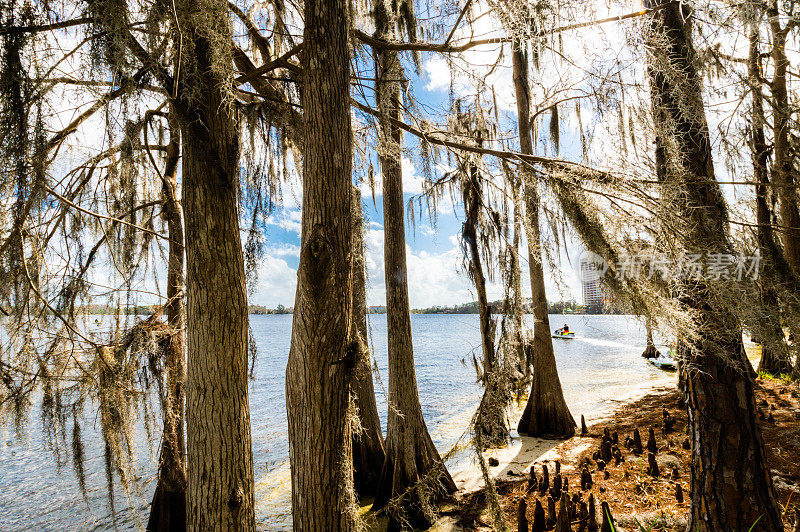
(775, 355)
(491, 420)
(368, 453)
(219, 448)
(546, 411)
(731, 485)
(413, 473)
(650, 350)
(168, 509)
(322, 355)
(783, 159)
(514, 307)
(516, 279)
(471, 191)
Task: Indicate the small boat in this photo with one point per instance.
(664, 360)
(566, 336)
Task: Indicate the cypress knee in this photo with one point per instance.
(583, 517)
(539, 521)
(608, 521)
(669, 422)
(556, 489)
(636, 448)
(605, 450)
(651, 441)
(592, 526)
(652, 466)
(532, 480)
(551, 512)
(562, 524)
(545, 482)
(522, 516)
(586, 480)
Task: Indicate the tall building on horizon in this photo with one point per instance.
(591, 277)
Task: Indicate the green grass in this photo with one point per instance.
(655, 522)
(786, 377)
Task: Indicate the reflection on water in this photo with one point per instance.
(598, 368)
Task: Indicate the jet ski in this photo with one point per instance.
(566, 336)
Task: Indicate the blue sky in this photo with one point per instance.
(433, 249)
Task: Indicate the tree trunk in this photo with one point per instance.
(783, 161)
(368, 453)
(514, 306)
(516, 279)
(546, 411)
(650, 350)
(491, 421)
(471, 191)
(775, 355)
(413, 473)
(322, 355)
(731, 485)
(220, 456)
(168, 509)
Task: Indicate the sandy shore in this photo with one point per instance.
(522, 452)
(634, 496)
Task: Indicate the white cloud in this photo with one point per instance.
(277, 282)
(284, 249)
(438, 73)
(434, 278)
(288, 220)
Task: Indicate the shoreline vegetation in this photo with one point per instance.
(557, 307)
(610, 463)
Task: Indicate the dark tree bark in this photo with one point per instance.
(491, 421)
(731, 485)
(410, 453)
(546, 412)
(782, 158)
(775, 355)
(322, 355)
(368, 453)
(168, 509)
(516, 279)
(220, 493)
(472, 193)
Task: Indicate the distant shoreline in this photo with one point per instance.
(257, 310)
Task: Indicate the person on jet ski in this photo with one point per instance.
(563, 330)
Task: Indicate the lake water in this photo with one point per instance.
(599, 369)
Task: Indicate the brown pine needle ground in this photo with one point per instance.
(632, 494)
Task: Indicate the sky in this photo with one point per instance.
(434, 255)
(435, 259)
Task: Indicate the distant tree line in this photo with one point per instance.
(147, 310)
(555, 307)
